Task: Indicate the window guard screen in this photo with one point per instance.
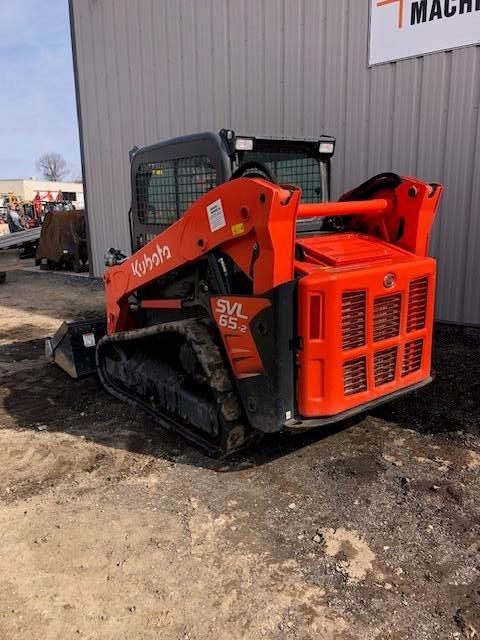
(289, 167)
(164, 190)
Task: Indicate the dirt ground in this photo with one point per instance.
(112, 528)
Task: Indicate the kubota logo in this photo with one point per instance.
(147, 262)
(422, 11)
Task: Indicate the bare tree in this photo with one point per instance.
(52, 166)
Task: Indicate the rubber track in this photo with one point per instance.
(200, 335)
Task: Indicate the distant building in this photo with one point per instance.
(26, 190)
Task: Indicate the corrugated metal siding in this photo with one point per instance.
(152, 69)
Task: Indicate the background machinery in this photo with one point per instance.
(251, 303)
(63, 241)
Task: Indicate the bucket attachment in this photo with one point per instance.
(73, 346)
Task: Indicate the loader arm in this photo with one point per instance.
(246, 217)
(254, 222)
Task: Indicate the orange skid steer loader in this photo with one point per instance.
(252, 304)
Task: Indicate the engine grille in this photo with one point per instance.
(355, 349)
(385, 364)
(386, 317)
(353, 319)
(412, 357)
(384, 320)
(417, 304)
(355, 376)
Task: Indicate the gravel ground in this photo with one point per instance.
(113, 528)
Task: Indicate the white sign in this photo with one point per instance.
(88, 339)
(406, 28)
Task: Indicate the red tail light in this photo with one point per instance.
(315, 308)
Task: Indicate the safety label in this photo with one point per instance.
(216, 217)
(88, 339)
(238, 229)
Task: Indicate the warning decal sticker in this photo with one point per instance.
(216, 217)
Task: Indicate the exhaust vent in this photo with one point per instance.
(355, 376)
(353, 319)
(386, 317)
(385, 363)
(417, 304)
(412, 357)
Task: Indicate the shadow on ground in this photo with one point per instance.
(37, 395)
(452, 402)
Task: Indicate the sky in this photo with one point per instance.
(37, 98)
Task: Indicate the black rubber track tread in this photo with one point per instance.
(200, 335)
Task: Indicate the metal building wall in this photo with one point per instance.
(151, 69)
